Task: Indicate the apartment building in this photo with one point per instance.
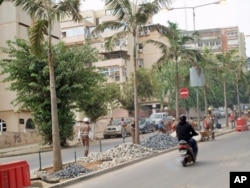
(14, 23)
(220, 39)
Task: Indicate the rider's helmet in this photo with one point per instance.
(209, 109)
(86, 120)
(183, 118)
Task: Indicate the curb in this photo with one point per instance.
(103, 171)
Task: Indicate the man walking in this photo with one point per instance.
(84, 135)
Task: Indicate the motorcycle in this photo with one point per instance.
(186, 153)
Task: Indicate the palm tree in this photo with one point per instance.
(130, 18)
(238, 72)
(208, 63)
(226, 59)
(45, 13)
(174, 52)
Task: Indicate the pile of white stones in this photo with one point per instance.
(120, 154)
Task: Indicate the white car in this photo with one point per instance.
(157, 117)
(115, 129)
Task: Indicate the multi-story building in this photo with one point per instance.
(220, 39)
(14, 23)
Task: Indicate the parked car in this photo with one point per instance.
(222, 114)
(157, 117)
(115, 129)
(216, 113)
(146, 125)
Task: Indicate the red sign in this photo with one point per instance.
(184, 93)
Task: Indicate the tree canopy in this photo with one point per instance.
(76, 83)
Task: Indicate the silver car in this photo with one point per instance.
(115, 129)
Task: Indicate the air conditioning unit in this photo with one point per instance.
(140, 50)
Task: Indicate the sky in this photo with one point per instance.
(230, 13)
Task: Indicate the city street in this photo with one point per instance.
(72, 153)
(216, 159)
(68, 155)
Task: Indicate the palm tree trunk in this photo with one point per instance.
(205, 96)
(137, 138)
(176, 89)
(225, 102)
(57, 157)
(238, 95)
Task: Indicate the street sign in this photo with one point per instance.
(184, 93)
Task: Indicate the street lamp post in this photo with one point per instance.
(195, 7)
(194, 27)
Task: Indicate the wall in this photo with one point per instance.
(13, 139)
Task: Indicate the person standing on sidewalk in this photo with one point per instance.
(232, 120)
(84, 135)
(123, 127)
(209, 122)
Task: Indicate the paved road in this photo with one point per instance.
(216, 159)
(68, 155)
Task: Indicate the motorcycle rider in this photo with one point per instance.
(185, 131)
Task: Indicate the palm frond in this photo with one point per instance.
(35, 8)
(163, 3)
(145, 12)
(37, 32)
(113, 25)
(69, 8)
(110, 42)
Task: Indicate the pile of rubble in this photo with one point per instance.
(120, 154)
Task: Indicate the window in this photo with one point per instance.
(140, 63)
(140, 47)
(108, 12)
(112, 72)
(3, 126)
(90, 19)
(232, 33)
(97, 21)
(200, 44)
(30, 124)
(233, 42)
(217, 43)
(64, 34)
(77, 31)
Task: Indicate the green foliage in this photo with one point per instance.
(145, 89)
(29, 77)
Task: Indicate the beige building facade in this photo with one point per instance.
(14, 23)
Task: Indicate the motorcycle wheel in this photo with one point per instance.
(184, 163)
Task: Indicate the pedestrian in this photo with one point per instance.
(111, 121)
(123, 127)
(84, 135)
(161, 127)
(209, 122)
(173, 125)
(232, 120)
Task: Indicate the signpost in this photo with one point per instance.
(184, 93)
